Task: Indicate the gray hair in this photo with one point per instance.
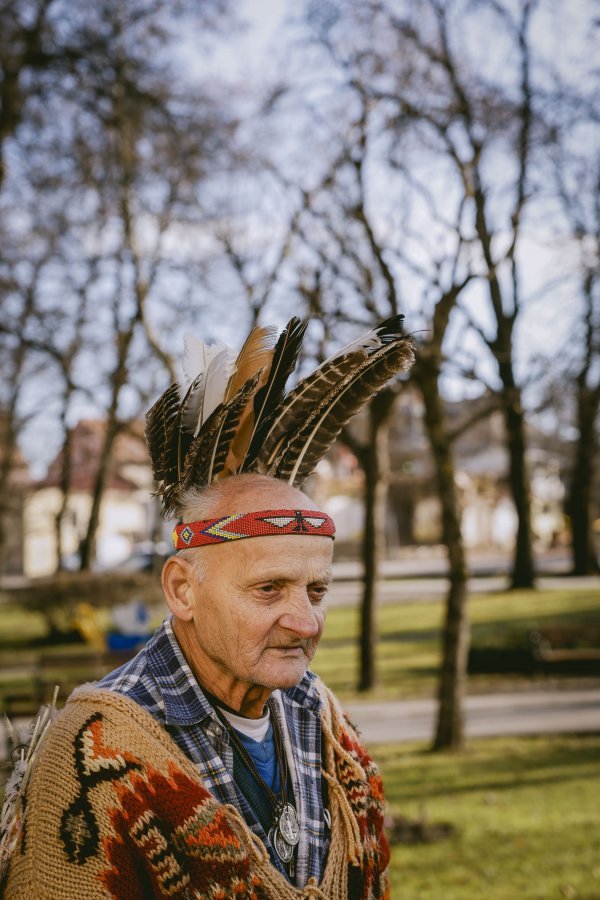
(202, 502)
(197, 503)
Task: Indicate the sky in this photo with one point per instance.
(254, 53)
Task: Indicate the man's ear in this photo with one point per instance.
(178, 580)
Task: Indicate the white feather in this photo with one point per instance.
(369, 342)
(198, 356)
(212, 390)
(216, 364)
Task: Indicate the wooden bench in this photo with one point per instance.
(65, 669)
(566, 642)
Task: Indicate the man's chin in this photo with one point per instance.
(282, 677)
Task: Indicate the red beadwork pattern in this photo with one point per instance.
(238, 526)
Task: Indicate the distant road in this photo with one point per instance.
(423, 578)
(392, 590)
(529, 712)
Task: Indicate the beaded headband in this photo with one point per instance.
(263, 522)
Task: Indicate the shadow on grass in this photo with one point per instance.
(449, 774)
(589, 616)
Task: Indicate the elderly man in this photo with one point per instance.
(214, 764)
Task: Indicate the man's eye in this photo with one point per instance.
(268, 589)
(318, 593)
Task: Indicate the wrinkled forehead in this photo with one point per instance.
(302, 558)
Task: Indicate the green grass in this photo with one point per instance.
(526, 810)
(408, 653)
(18, 626)
(526, 814)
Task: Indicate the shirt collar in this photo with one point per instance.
(183, 698)
(305, 693)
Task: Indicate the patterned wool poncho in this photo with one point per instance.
(114, 810)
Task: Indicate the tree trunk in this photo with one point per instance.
(65, 488)
(119, 378)
(9, 423)
(87, 550)
(502, 348)
(9, 446)
(449, 732)
(523, 572)
(579, 502)
(375, 459)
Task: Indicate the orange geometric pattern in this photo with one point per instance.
(95, 756)
(154, 830)
(157, 849)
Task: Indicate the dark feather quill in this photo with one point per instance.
(301, 452)
(209, 449)
(160, 420)
(302, 401)
(270, 395)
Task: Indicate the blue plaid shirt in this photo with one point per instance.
(160, 680)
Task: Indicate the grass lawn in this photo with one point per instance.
(527, 815)
(526, 810)
(408, 654)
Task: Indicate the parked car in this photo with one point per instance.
(145, 557)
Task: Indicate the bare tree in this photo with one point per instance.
(30, 373)
(456, 633)
(458, 139)
(16, 359)
(136, 188)
(66, 359)
(472, 120)
(580, 502)
(111, 133)
(581, 209)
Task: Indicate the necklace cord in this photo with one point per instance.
(279, 756)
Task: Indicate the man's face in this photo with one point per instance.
(260, 610)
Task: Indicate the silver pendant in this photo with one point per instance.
(284, 850)
(287, 823)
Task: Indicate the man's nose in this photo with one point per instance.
(301, 617)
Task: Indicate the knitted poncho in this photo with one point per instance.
(115, 810)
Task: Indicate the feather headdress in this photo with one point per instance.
(235, 415)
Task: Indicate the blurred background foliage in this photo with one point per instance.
(178, 166)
